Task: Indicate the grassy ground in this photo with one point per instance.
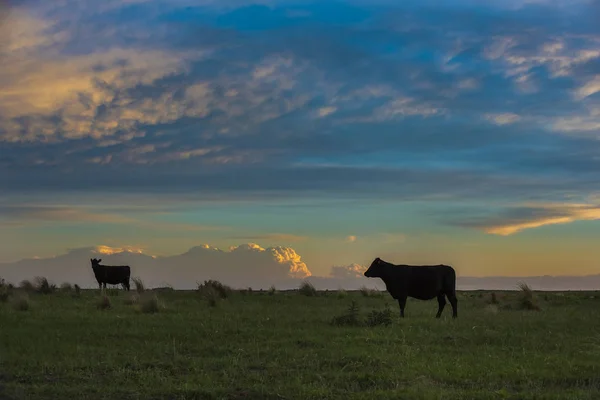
(283, 346)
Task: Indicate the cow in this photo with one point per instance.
(420, 282)
(111, 274)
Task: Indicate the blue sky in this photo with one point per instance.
(461, 132)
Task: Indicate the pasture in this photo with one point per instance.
(283, 345)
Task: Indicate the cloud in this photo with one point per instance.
(325, 111)
(395, 102)
(239, 266)
(273, 237)
(517, 219)
(348, 271)
(351, 239)
(502, 119)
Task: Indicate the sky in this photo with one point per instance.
(422, 132)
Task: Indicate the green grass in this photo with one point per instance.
(256, 346)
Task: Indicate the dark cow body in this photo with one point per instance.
(111, 274)
(420, 282)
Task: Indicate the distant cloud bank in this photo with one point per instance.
(243, 266)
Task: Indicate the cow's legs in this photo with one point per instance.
(402, 304)
(126, 285)
(441, 304)
(454, 304)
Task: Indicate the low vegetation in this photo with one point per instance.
(20, 302)
(104, 302)
(212, 288)
(307, 289)
(291, 347)
(149, 304)
(139, 285)
(527, 300)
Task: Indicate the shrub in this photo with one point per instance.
(77, 290)
(20, 302)
(149, 304)
(350, 318)
(42, 285)
(366, 292)
(493, 298)
(133, 299)
(341, 294)
(307, 289)
(527, 300)
(139, 285)
(27, 286)
(4, 294)
(272, 290)
(66, 287)
(104, 303)
(383, 317)
(223, 291)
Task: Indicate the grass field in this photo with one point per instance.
(282, 345)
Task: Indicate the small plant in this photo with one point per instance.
(77, 290)
(27, 286)
(139, 285)
(493, 298)
(66, 287)
(42, 285)
(350, 318)
(149, 304)
(212, 299)
(272, 290)
(104, 303)
(366, 292)
(133, 299)
(383, 317)
(4, 294)
(223, 291)
(341, 294)
(307, 289)
(527, 300)
(21, 302)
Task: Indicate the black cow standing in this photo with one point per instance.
(111, 274)
(420, 282)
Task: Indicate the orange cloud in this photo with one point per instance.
(553, 215)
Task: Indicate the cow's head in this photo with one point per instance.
(95, 262)
(375, 270)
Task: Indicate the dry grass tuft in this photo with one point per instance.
(104, 303)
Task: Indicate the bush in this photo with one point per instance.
(21, 302)
(272, 290)
(27, 286)
(350, 318)
(133, 299)
(104, 303)
(4, 294)
(77, 290)
(66, 287)
(493, 298)
(366, 292)
(42, 285)
(307, 289)
(341, 294)
(206, 289)
(383, 317)
(527, 300)
(149, 304)
(139, 285)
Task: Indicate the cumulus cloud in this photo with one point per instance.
(348, 271)
(239, 266)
